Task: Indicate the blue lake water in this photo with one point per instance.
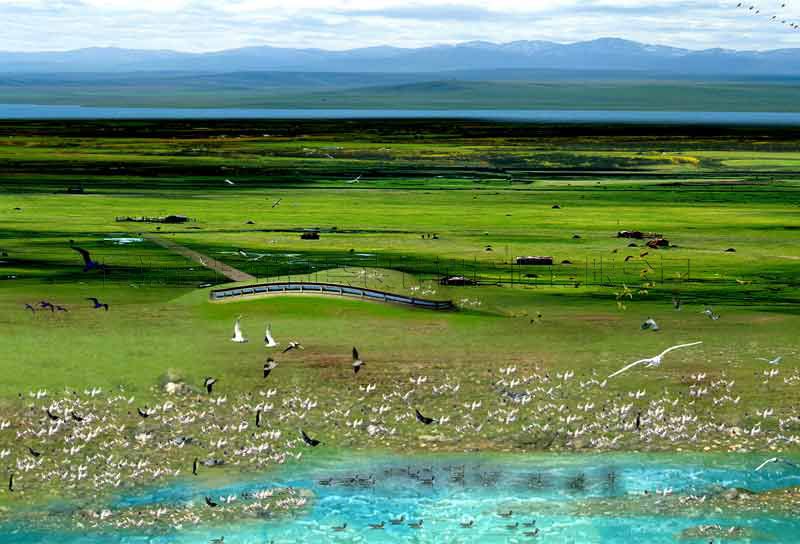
(532, 487)
(30, 111)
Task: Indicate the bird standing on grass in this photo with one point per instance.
(208, 383)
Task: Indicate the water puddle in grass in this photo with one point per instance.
(572, 498)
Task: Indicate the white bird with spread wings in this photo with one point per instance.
(238, 337)
(653, 362)
(269, 341)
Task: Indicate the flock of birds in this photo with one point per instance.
(96, 441)
(776, 12)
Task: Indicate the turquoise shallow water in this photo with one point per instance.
(533, 487)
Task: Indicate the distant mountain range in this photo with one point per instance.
(607, 54)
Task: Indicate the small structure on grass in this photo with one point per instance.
(534, 261)
(457, 281)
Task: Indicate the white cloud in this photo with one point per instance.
(201, 25)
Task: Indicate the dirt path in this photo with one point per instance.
(233, 274)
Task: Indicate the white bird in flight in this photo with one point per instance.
(775, 361)
(238, 337)
(777, 460)
(229, 182)
(356, 180)
(269, 341)
(653, 362)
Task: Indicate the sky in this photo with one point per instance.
(210, 25)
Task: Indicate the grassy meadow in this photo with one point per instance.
(486, 191)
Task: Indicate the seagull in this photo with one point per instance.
(238, 337)
(313, 442)
(88, 263)
(380, 525)
(269, 366)
(144, 413)
(229, 182)
(356, 180)
(653, 362)
(269, 341)
(397, 521)
(208, 383)
(777, 460)
(293, 345)
(422, 419)
(357, 362)
(775, 361)
(650, 324)
(98, 304)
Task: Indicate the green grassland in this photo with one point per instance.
(410, 91)
(474, 186)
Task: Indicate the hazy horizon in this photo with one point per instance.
(197, 26)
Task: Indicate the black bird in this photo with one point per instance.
(211, 503)
(269, 366)
(357, 362)
(144, 413)
(31, 308)
(638, 420)
(88, 263)
(34, 452)
(52, 416)
(258, 417)
(422, 419)
(11, 483)
(61, 309)
(194, 466)
(209, 384)
(76, 417)
(98, 304)
(313, 442)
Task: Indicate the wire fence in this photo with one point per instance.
(156, 268)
